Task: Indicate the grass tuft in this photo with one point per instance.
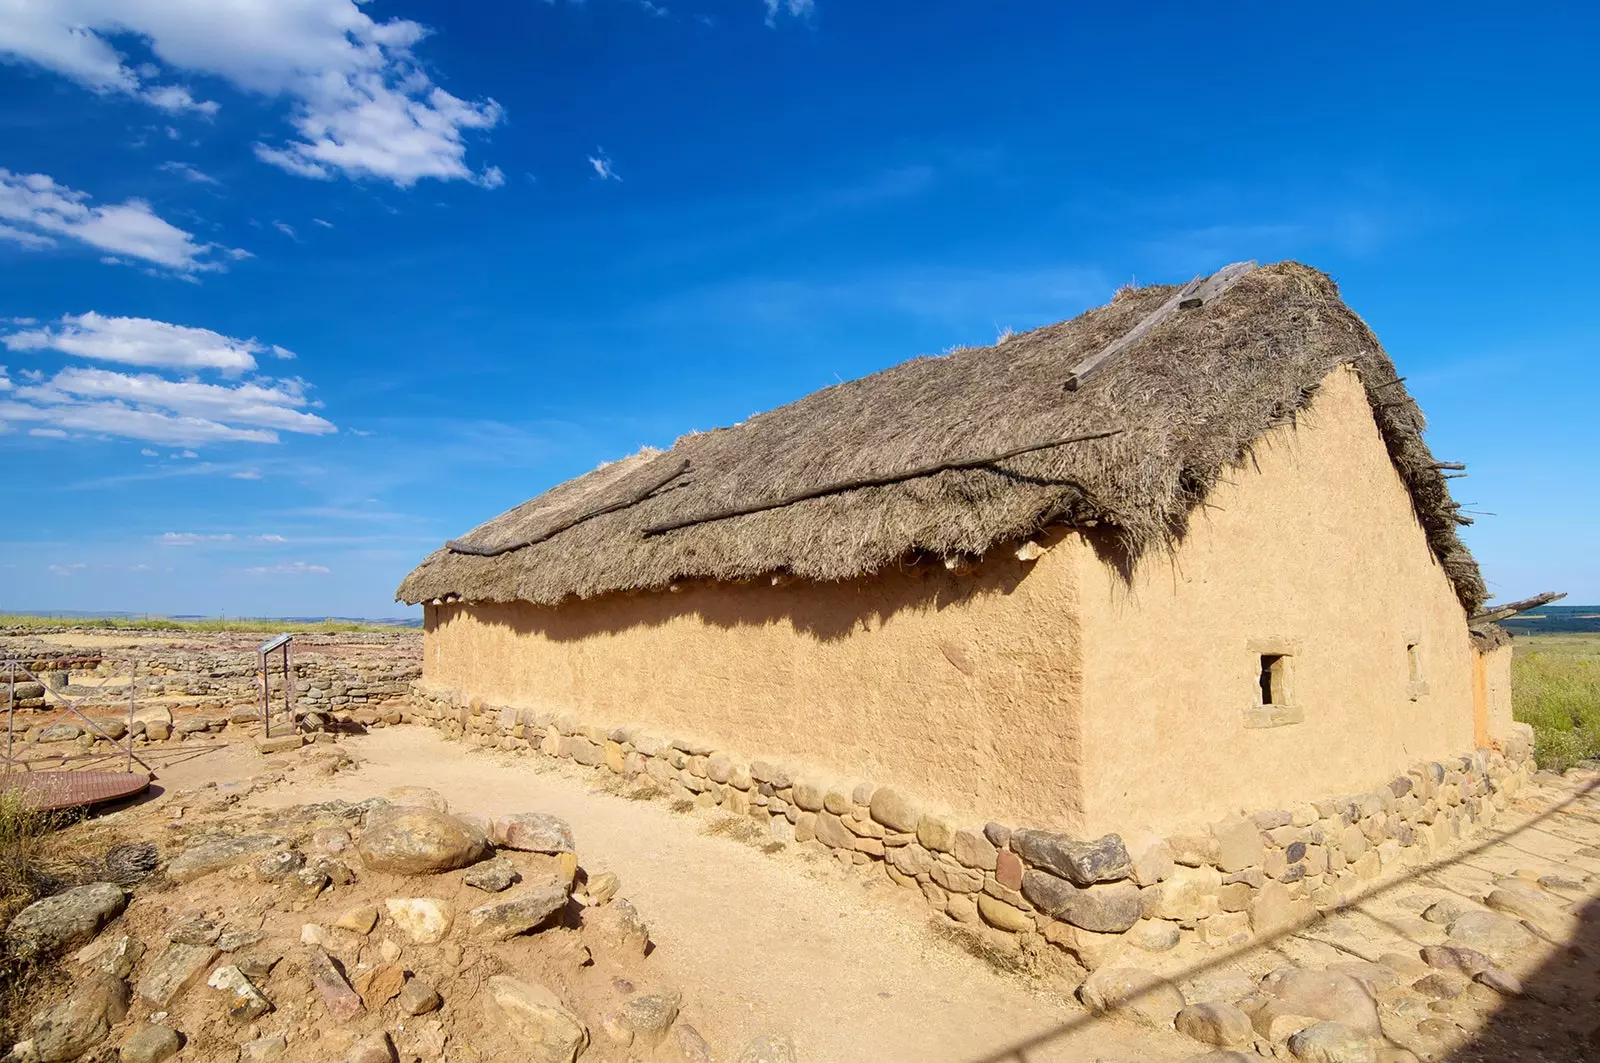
(1555, 686)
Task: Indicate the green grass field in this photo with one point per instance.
(157, 623)
(1555, 686)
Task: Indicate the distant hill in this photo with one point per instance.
(195, 618)
(1556, 620)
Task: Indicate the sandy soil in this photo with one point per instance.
(849, 965)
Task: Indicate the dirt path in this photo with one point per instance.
(758, 942)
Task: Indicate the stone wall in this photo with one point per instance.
(1241, 876)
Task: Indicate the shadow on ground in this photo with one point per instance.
(1554, 1019)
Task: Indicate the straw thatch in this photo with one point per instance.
(1189, 398)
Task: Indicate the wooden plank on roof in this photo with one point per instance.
(1197, 292)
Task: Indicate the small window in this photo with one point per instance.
(1274, 679)
(1416, 685)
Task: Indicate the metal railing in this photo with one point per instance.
(13, 758)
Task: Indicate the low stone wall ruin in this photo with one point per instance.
(1243, 876)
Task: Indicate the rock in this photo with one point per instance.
(492, 876)
(534, 832)
(379, 985)
(1456, 958)
(196, 932)
(972, 848)
(1526, 902)
(600, 888)
(331, 840)
(1215, 1023)
(150, 1044)
(420, 841)
(1325, 995)
(1331, 1042)
(647, 1016)
(769, 1048)
(133, 862)
(1238, 844)
(263, 1048)
(342, 1002)
(279, 743)
(1186, 896)
(219, 853)
(417, 997)
(358, 920)
(545, 1029)
(82, 1021)
(1447, 911)
(245, 1001)
(831, 831)
(417, 797)
(278, 865)
(501, 920)
(1502, 982)
(118, 955)
(53, 925)
(425, 920)
(1489, 932)
(177, 968)
(1134, 992)
(373, 1048)
(894, 810)
(1107, 908)
(1081, 863)
(1003, 916)
(1274, 908)
(1377, 977)
(684, 1045)
(1440, 985)
(1153, 935)
(1152, 858)
(621, 922)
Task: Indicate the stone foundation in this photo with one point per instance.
(1242, 876)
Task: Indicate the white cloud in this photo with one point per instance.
(266, 403)
(37, 208)
(360, 101)
(601, 164)
(67, 570)
(269, 538)
(800, 9)
(5, 381)
(329, 224)
(192, 538)
(47, 433)
(295, 568)
(189, 173)
(148, 453)
(285, 228)
(186, 454)
(143, 342)
(248, 474)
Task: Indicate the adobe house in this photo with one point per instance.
(1184, 554)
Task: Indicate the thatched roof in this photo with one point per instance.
(1189, 397)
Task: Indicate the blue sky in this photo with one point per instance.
(293, 294)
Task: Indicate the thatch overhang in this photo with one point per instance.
(1185, 399)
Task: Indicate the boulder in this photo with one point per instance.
(1081, 863)
(425, 920)
(1133, 992)
(373, 1048)
(1107, 908)
(1489, 932)
(544, 1028)
(215, 854)
(1331, 1042)
(534, 832)
(1215, 1023)
(505, 919)
(1522, 901)
(150, 1044)
(420, 841)
(358, 920)
(646, 1017)
(1456, 958)
(82, 1021)
(72, 917)
(417, 797)
(894, 810)
(342, 1002)
(1238, 844)
(244, 1000)
(1187, 895)
(1153, 935)
(1325, 995)
(263, 1048)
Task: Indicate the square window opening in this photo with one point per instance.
(1413, 663)
(1274, 679)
